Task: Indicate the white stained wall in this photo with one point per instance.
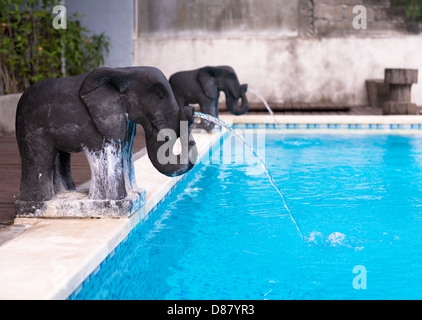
(264, 43)
(292, 69)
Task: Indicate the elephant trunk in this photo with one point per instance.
(232, 102)
(160, 149)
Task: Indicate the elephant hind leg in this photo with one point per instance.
(37, 174)
(62, 177)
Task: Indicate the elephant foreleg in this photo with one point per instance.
(128, 166)
(107, 174)
(210, 108)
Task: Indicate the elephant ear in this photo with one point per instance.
(231, 83)
(101, 93)
(207, 78)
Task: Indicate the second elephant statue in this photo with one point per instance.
(203, 86)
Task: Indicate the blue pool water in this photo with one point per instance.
(223, 233)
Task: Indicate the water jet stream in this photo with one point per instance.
(261, 162)
(262, 99)
(268, 108)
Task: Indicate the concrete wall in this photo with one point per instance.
(115, 19)
(206, 18)
(305, 70)
(318, 57)
(8, 105)
(335, 18)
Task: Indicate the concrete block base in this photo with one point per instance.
(390, 108)
(377, 91)
(76, 204)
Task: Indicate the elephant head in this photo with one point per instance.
(142, 95)
(223, 78)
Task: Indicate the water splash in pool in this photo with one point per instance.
(335, 239)
(261, 162)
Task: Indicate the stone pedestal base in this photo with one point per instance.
(393, 107)
(76, 204)
(400, 83)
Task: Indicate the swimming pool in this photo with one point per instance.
(223, 232)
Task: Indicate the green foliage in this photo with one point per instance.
(32, 50)
(413, 8)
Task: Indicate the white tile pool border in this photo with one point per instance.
(329, 119)
(53, 257)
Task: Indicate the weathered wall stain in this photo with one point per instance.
(288, 50)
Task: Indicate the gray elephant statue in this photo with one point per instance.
(97, 113)
(203, 86)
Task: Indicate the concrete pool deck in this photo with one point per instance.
(49, 258)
